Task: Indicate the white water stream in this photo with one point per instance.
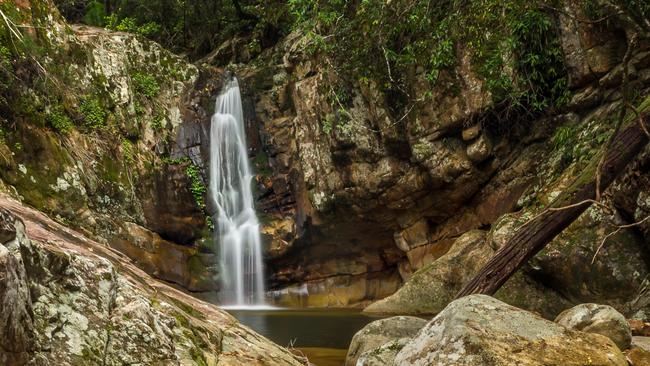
(236, 224)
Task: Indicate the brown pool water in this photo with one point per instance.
(323, 335)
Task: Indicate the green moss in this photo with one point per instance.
(197, 356)
(155, 302)
(187, 309)
(111, 170)
(176, 161)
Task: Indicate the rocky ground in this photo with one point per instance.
(481, 330)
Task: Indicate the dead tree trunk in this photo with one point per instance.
(533, 236)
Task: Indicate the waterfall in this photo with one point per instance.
(236, 224)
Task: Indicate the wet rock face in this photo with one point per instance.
(480, 330)
(353, 187)
(168, 206)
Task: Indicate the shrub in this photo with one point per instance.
(157, 123)
(60, 122)
(93, 113)
(197, 187)
(127, 150)
(146, 84)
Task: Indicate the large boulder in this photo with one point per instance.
(638, 356)
(481, 330)
(380, 332)
(600, 319)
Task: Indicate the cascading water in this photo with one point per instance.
(237, 226)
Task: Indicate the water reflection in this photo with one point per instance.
(322, 328)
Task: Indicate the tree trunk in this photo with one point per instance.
(533, 236)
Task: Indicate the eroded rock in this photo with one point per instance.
(383, 355)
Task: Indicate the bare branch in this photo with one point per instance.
(619, 228)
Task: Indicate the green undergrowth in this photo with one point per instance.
(94, 114)
(513, 46)
(60, 121)
(197, 187)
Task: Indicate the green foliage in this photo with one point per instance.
(328, 123)
(146, 84)
(157, 122)
(127, 25)
(6, 73)
(131, 25)
(128, 151)
(197, 187)
(513, 46)
(191, 27)
(60, 121)
(209, 223)
(95, 14)
(563, 135)
(5, 57)
(93, 113)
(148, 29)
